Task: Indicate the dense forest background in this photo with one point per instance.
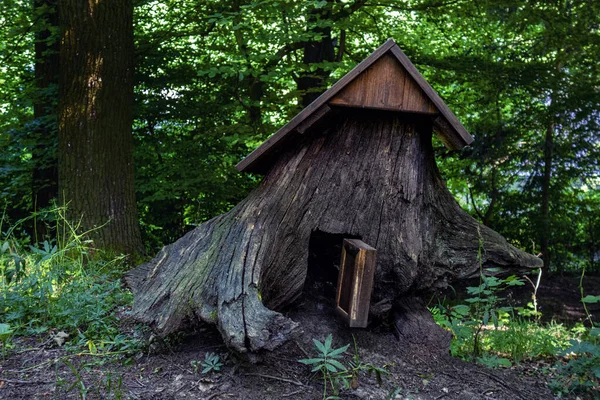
(213, 79)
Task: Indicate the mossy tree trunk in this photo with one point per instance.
(372, 176)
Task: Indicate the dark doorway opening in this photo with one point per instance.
(324, 252)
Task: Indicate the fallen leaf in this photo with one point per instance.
(60, 338)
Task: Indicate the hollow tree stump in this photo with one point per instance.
(372, 176)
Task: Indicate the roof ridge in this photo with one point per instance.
(450, 123)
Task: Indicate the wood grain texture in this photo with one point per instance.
(355, 282)
(385, 85)
(457, 135)
(371, 177)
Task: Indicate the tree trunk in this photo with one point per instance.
(373, 177)
(545, 228)
(312, 84)
(95, 119)
(43, 154)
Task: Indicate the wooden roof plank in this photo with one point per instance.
(339, 85)
(433, 96)
(447, 121)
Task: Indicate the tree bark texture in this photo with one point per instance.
(95, 119)
(371, 176)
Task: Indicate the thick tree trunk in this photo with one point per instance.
(95, 118)
(372, 177)
(43, 154)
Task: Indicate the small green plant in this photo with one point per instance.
(356, 366)
(78, 383)
(493, 361)
(334, 373)
(211, 363)
(326, 362)
(111, 387)
(582, 371)
(486, 298)
(5, 334)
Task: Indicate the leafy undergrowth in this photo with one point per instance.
(487, 331)
(62, 289)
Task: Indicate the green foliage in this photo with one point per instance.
(582, 370)
(495, 335)
(214, 80)
(211, 363)
(63, 286)
(514, 339)
(328, 362)
(5, 334)
(105, 386)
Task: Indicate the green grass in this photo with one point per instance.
(62, 285)
(512, 339)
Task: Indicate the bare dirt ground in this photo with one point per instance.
(39, 369)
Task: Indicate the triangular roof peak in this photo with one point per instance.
(385, 80)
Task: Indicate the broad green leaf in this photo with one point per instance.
(92, 347)
(336, 352)
(591, 299)
(336, 364)
(330, 367)
(310, 361)
(462, 309)
(5, 331)
(320, 346)
(328, 341)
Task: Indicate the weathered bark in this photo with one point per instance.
(371, 177)
(414, 327)
(95, 119)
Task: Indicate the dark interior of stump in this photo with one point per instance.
(324, 252)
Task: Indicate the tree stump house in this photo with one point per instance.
(357, 163)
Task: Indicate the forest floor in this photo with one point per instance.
(37, 368)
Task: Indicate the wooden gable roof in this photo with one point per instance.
(385, 80)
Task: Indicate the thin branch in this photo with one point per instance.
(21, 382)
(278, 378)
(473, 203)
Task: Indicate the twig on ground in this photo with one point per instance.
(292, 393)
(139, 383)
(500, 381)
(21, 382)
(278, 378)
(301, 349)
